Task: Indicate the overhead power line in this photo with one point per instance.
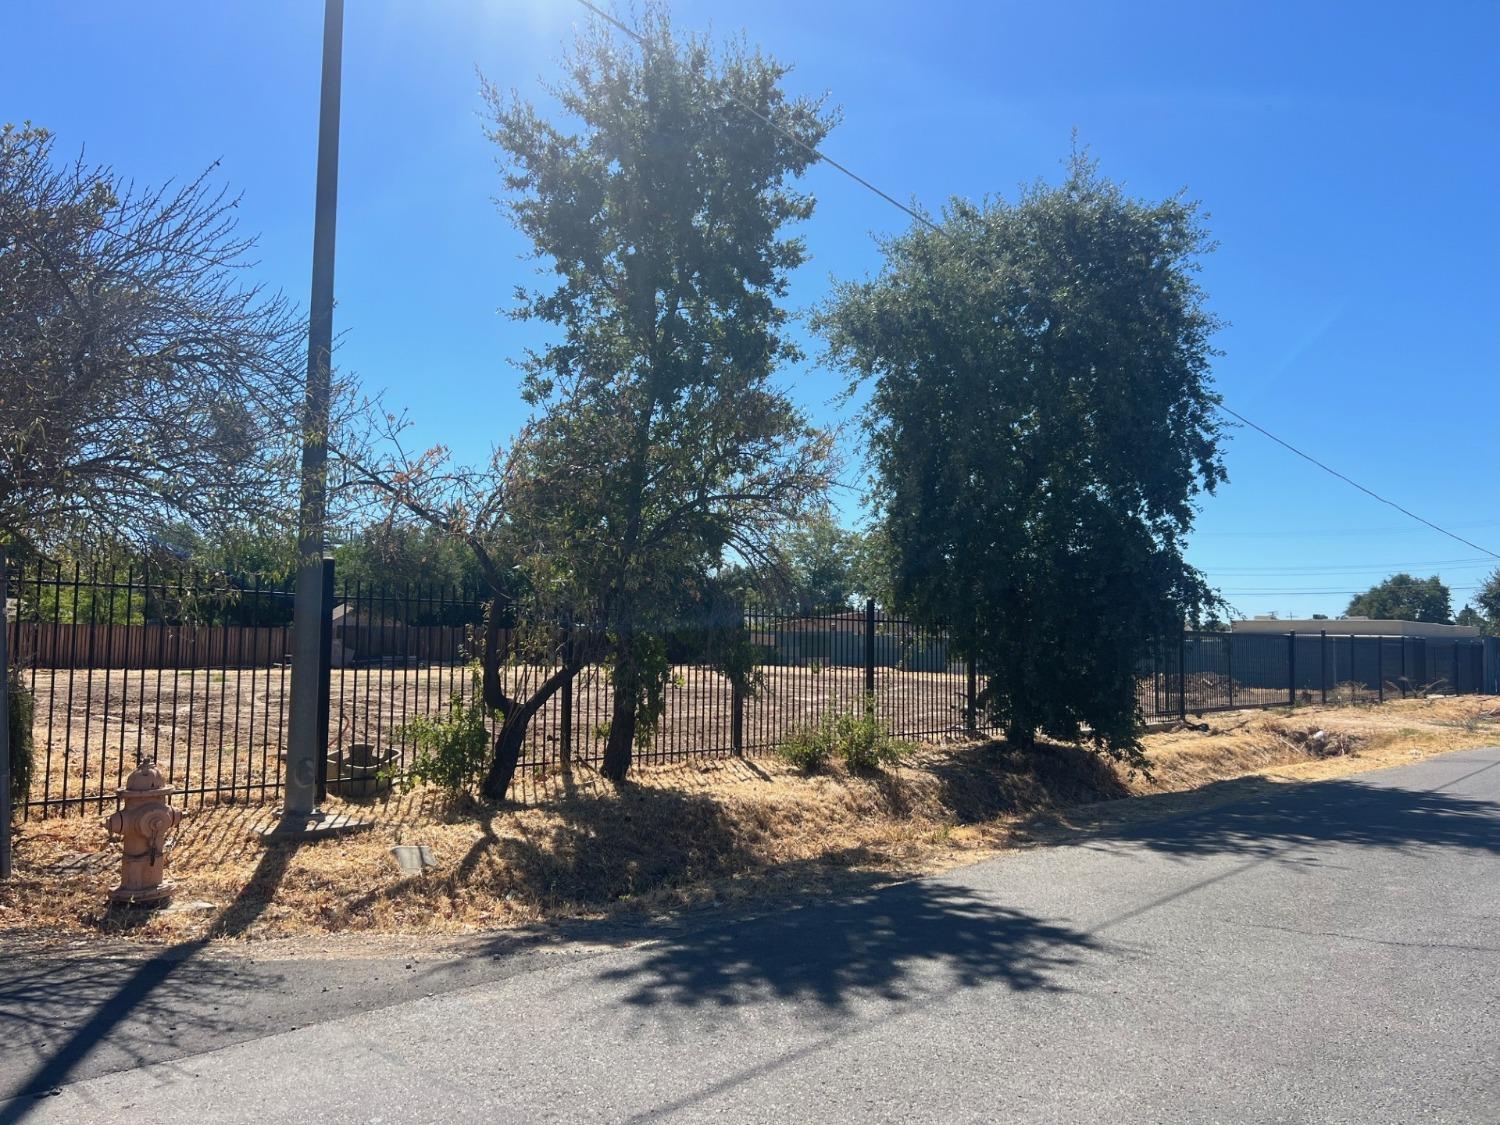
(1280, 593)
(1355, 484)
(818, 155)
(1365, 568)
(1335, 533)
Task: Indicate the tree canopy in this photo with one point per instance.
(659, 441)
(1402, 597)
(141, 382)
(1487, 602)
(821, 569)
(659, 446)
(1041, 421)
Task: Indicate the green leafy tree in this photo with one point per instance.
(420, 574)
(816, 569)
(873, 567)
(1487, 601)
(659, 441)
(658, 445)
(825, 565)
(1471, 617)
(1042, 419)
(1402, 597)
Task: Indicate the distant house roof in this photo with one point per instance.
(1354, 626)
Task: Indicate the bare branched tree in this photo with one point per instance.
(143, 382)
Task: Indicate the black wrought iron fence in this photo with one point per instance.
(1200, 672)
(194, 671)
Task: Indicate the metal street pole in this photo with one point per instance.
(5, 767)
(305, 743)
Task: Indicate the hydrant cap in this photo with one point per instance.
(146, 781)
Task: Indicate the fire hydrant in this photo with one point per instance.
(145, 825)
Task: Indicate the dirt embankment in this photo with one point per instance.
(692, 834)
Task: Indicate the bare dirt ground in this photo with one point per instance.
(690, 833)
(219, 734)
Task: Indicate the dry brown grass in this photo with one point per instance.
(687, 834)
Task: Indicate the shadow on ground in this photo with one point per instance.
(599, 851)
(899, 942)
(990, 779)
(56, 1013)
(1253, 816)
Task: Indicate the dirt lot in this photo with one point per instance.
(691, 833)
(219, 734)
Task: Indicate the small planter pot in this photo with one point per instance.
(355, 774)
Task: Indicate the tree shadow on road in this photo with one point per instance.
(1257, 817)
(897, 943)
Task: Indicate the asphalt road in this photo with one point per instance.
(1323, 952)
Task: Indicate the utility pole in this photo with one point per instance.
(306, 743)
(5, 766)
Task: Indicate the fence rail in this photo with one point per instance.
(194, 672)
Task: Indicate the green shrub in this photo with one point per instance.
(858, 739)
(22, 708)
(453, 752)
(808, 748)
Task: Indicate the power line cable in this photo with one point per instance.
(818, 155)
(1313, 593)
(1334, 569)
(1355, 484)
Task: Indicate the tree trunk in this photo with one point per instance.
(621, 733)
(494, 690)
(512, 735)
(1021, 735)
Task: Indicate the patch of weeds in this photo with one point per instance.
(452, 752)
(857, 738)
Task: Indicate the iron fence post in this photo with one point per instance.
(325, 682)
(870, 650)
(1380, 669)
(1229, 664)
(5, 809)
(1323, 663)
(971, 711)
(565, 742)
(1291, 668)
(736, 719)
(1182, 675)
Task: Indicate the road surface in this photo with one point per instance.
(1319, 952)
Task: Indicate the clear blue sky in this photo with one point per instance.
(1346, 154)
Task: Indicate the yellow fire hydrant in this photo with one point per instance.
(145, 825)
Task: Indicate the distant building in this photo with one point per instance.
(1355, 627)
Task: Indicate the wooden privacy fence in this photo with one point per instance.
(59, 645)
(149, 647)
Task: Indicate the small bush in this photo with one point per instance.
(858, 739)
(22, 708)
(808, 748)
(453, 752)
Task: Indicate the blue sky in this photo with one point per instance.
(1345, 153)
